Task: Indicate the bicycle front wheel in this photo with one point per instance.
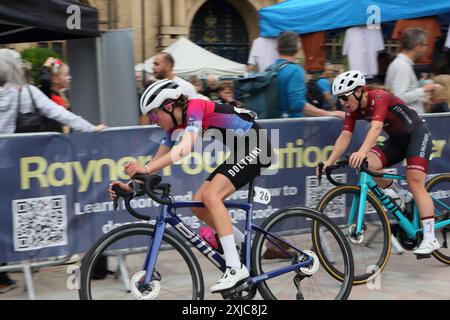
(371, 249)
(296, 226)
(439, 190)
(177, 274)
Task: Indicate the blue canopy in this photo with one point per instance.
(304, 16)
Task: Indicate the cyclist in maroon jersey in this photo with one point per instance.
(409, 138)
(250, 152)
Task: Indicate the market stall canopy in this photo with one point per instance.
(191, 59)
(304, 16)
(45, 20)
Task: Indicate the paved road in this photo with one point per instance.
(404, 278)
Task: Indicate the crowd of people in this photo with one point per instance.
(299, 95)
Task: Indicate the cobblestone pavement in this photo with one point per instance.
(403, 278)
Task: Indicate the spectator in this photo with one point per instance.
(11, 81)
(163, 64)
(55, 83)
(11, 84)
(324, 84)
(440, 99)
(226, 94)
(291, 82)
(400, 75)
(212, 87)
(198, 85)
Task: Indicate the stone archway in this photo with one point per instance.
(224, 27)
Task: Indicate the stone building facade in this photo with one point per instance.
(221, 26)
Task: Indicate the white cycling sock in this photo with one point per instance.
(396, 187)
(238, 236)
(230, 252)
(428, 228)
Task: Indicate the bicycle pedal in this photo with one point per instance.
(238, 287)
(423, 256)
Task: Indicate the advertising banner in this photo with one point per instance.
(54, 187)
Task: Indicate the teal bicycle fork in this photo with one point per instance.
(358, 208)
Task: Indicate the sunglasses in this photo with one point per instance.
(152, 116)
(344, 97)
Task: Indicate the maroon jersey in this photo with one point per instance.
(399, 119)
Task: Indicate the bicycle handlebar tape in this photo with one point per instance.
(151, 181)
(365, 168)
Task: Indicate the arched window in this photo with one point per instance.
(219, 28)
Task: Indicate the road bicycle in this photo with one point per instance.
(361, 213)
(163, 264)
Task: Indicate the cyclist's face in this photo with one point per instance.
(161, 118)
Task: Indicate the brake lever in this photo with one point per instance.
(320, 169)
(116, 203)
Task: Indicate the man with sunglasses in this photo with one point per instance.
(409, 138)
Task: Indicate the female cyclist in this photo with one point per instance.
(250, 152)
(409, 138)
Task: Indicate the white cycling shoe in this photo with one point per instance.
(230, 278)
(427, 247)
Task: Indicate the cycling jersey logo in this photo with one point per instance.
(399, 109)
(191, 121)
(247, 160)
(423, 147)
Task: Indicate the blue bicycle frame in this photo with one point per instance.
(366, 183)
(167, 216)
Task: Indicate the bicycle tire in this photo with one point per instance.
(443, 254)
(285, 216)
(364, 270)
(139, 229)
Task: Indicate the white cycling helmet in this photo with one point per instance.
(157, 93)
(348, 81)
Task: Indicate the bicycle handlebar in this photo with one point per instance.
(151, 182)
(342, 163)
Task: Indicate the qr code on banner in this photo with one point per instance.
(315, 192)
(39, 223)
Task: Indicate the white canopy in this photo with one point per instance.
(191, 59)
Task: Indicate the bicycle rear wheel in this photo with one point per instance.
(371, 250)
(177, 273)
(296, 226)
(439, 189)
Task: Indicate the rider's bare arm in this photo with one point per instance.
(371, 138)
(340, 146)
(178, 152)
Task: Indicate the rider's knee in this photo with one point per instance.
(210, 198)
(415, 183)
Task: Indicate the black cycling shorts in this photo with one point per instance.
(247, 157)
(416, 148)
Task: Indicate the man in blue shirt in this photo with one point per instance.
(291, 82)
(324, 84)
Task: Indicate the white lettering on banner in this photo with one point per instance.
(39, 222)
